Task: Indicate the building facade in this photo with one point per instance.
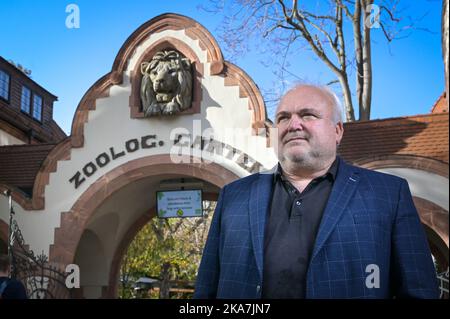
(26, 115)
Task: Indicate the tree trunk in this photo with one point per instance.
(364, 107)
(348, 104)
(358, 52)
(164, 290)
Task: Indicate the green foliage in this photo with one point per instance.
(176, 243)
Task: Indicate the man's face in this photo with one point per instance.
(307, 133)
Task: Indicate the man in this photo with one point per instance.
(317, 227)
(9, 288)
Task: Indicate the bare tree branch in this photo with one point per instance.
(391, 15)
(316, 47)
(296, 25)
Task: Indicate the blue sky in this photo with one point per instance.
(408, 73)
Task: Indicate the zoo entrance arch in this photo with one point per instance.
(215, 73)
(75, 221)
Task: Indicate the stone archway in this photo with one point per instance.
(75, 221)
(4, 230)
(438, 248)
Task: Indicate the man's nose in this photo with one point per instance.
(295, 123)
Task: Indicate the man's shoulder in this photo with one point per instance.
(11, 282)
(3, 279)
(14, 290)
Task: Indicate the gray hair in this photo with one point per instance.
(337, 105)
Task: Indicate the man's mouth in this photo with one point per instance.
(296, 138)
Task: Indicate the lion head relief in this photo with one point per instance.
(166, 86)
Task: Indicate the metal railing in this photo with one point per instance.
(42, 279)
(443, 284)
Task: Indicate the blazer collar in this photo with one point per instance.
(259, 205)
(343, 190)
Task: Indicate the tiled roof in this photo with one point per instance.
(420, 135)
(19, 164)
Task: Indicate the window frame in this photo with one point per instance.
(9, 87)
(30, 100)
(30, 113)
(32, 107)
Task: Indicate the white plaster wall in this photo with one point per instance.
(110, 125)
(8, 139)
(91, 255)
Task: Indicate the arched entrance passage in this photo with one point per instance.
(126, 240)
(123, 181)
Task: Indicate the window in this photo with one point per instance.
(31, 103)
(25, 100)
(4, 85)
(37, 107)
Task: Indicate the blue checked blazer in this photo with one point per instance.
(370, 219)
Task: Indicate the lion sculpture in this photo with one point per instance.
(166, 86)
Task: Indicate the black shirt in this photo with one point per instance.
(14, 289)
(291, 231)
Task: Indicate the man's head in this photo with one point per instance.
(4, 263)
(310, 127)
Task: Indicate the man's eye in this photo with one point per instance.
(309, 116)
(281, 118)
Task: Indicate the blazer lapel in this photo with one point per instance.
(343, 190)
(259, 202)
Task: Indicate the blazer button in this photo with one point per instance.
(258, 288)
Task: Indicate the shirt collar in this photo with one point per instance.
(332, 171)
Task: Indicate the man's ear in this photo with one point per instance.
(339, 132)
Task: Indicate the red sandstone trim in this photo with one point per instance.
(4, 231)
(434, 217)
